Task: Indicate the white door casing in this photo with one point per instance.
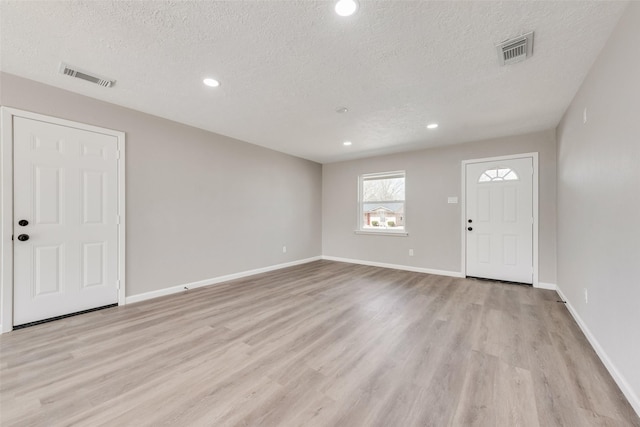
(68, 183)
(500, 204)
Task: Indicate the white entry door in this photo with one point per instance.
(65, 220)
(499, 220)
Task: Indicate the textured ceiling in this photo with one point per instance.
(286, 66)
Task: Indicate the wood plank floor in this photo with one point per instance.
(322, 344)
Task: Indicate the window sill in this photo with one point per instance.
(383, 233)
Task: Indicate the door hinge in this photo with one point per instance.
(118, 155)
(118, 284)
(117, 219)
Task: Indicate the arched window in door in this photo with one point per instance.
(498, 174)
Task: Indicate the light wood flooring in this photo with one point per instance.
(321, 344)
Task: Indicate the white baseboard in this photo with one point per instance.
(215, 280)
(629, 393)
(180, 288)
(549, 286)
(394, 266)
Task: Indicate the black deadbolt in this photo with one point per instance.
(469, 228)
(23, 223)
(23, 237)
(470, 221)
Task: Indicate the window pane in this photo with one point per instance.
(383, 216)
(498, 174)
(383, 189)
(382, 202)
(503, 172)
(511, 176)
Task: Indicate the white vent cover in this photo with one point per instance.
(72, 71)
(515, 50)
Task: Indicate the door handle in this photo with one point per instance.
(468, 228)
(23, 237)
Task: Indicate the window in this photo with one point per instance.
(498, 174)
(382, 202)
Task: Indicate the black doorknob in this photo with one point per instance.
(469, 228)
(23, 237)
(23, 223)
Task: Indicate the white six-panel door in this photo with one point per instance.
(66, 188)
(499, 220)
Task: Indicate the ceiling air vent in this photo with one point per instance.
(84, 75)
(515, 50)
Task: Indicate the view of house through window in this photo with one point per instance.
(382, 202)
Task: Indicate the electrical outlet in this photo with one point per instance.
(284, 249)
(410, 252)
(586, 296)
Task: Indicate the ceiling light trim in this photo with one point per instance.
(211, 82)
(346, 8)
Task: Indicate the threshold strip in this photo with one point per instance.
(64, 316)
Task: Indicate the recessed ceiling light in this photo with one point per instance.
(432, 126)
(342, 110)
(346, 7)
(211, 82)
(346, 143)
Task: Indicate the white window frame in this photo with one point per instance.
(385, 232)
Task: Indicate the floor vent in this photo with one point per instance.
(516, 49)
(71, 71)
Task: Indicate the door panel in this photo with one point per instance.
(510, 204)
(484, 248)
(499, 203)
(510, 250)
(93, 264)
(93, 197)
(48, 270)
(66, 186)
(48, 193)
(484, 205)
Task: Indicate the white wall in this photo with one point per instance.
(434, 226)
(599, 204)
(198, 205)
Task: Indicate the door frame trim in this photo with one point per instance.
(463, 207)
(6, 205)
